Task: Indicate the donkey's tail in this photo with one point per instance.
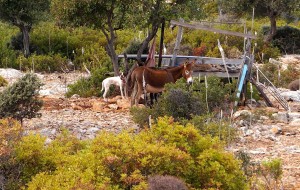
(130, 77)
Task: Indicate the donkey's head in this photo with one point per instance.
(187, 71)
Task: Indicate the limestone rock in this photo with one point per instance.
(291, 95)
(97, 106)
(123, 103)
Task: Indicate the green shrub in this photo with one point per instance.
(182, 102)
(141, 115)
(43, 63)
(7, 55)
(20, 100)
(287, 39)
(271, 172)
(3, 82)
(215, 127)
(286, 76)
(87, 87)
(264, 175)
(266, 51)
(126, 161)
(11, 132)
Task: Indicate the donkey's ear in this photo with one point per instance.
(194, 62)
(184, 64)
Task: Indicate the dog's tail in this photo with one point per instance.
(102, 88)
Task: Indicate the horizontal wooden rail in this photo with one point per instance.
(201, 27)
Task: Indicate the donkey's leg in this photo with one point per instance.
(139, 93)
(133, 94)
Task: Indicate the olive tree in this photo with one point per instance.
(112, 15)
(107, 15)
(273, 9)
(23, 14)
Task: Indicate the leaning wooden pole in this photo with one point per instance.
(161, 44)
(177, 44)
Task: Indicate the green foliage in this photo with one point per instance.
(254, 95)
(286, 76)
(215, 127)
(272, 172)
(20, 100)
(3, 82)
(11, 132)
(22, 11)
(87, 87)
(126, 161)
(24, 14)
(264, 175)
(287, 39)
(182, 102)
(7, 56)
(43, 63)
(134, 46)
(81, 45)
(29, 156)
(141, 115)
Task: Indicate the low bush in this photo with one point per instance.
(215, 127)
(182, 102)
(87, 87)
(264, 175)
(126, 161)
(11, 132)
(3, 82)
(20, 100)
(271, 172)
(286, 76)
(43, 63)
(287, 39)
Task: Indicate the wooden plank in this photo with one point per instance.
(217, 74)
(199, 27)
(200, 60)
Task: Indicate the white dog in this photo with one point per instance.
(117, 81)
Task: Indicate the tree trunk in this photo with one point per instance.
(146, 41)
(114, 57)
(273, 28)
(110, 48)
(25, 32)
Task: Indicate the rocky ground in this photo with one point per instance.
(263, 135)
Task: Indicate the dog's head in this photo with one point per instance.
(122, 77)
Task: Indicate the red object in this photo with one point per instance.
(150, 62)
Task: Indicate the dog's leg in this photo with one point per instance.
(121, 89)
(106, 88)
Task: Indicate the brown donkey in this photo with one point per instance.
(153, 80)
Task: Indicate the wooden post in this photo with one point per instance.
(177, 44)
(161, 42)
